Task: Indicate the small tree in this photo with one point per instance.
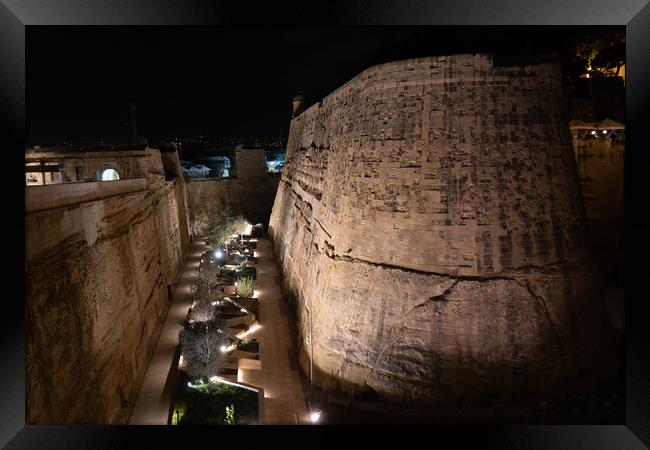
(202, 290)
(202, 311)
(211, 276)
(220, 227)
(239, 225)
(202, 349)
(245, 287)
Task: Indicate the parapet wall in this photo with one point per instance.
(98, 279)
(429, 219)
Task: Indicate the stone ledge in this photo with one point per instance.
(39, 198)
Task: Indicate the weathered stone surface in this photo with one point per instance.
(250, 162)
(97, 277)
(250, 196)
(429, 219)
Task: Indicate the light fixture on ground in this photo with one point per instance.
(314, 416)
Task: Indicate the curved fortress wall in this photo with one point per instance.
(429, 219)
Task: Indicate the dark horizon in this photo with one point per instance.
(229, 81)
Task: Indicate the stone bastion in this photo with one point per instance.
(429, 226)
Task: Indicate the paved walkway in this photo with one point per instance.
(284, 398)
(154, 400)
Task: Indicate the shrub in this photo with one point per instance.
(245, 287)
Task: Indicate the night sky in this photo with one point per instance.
(225, 81)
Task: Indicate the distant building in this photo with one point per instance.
(193, 170)
(275, 162)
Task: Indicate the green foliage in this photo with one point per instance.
(206, 403)
(245, 287)
(220, 227)
(230, 415)
(600, 54)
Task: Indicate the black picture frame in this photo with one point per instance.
(17, 15)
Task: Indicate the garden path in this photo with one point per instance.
(284, 395)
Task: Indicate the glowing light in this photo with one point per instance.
(218, 254)
(250, 330)
(224, 349)
(224, 381)
(214, 303)
(604, 131)
(593, 132)
(243, 310)
(314, 417)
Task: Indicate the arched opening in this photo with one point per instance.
(110, 175)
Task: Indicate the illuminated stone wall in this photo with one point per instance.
(429, 219)
(250, 196)
(97, 278)
(250, 162)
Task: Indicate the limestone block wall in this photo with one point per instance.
(429, 220)
(251, 196)
(250, 162)
(97, 277)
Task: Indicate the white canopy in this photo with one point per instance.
(609, 124)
